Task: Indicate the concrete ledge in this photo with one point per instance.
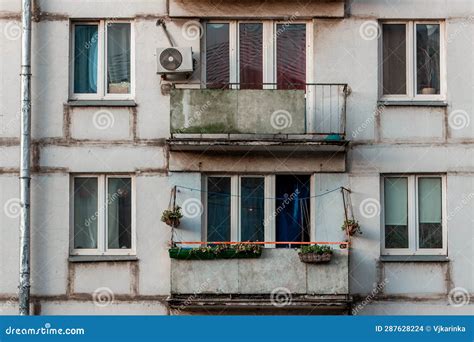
(390, 103)
(102, 258)
(101, 103)
(414, 258)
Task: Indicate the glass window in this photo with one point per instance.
(102, 215)
(252, 208)
(251, 55)
(102, 60)
(218, 209)
(394, 59)
(118, 58)
(428, 59)
(119, 213)
(85, 58)
(85, 213)
(430, 213)
(291, 56)
(217, 55)
(396, 212)
(413, 209)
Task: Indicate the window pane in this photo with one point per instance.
(394, 59)
(118, 58)
(85, 213)
(85, 58)
(291, 56)
(428, 59)
(218, 209)
(217, 55)
(396, 212)
(429, 213)
(119, 213)
(252, 208)
(251, 56)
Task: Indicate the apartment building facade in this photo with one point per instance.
(269, 121)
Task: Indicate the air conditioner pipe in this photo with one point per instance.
(25, 142)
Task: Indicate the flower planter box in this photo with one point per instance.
(315, 258)
(196, 254)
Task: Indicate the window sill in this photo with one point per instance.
(414, 258)
(102, 258)
(413, 103)
(101, 103)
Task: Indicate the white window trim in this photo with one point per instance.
(411, 76)
(102, 62)
(269, 206)
(102, 233)
(413, 224)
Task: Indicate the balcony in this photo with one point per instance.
(240, 284)
(307, 118)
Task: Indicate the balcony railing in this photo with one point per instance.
(303, 109)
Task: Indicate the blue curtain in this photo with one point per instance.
(85, 59)
(292, 208)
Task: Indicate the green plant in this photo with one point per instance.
(172, 216)
(318, 249)
(216, 252)
(352, 226)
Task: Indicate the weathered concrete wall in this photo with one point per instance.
(257, 276)
(394, 139)
(238, 111)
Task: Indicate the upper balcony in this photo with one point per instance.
(308, 117)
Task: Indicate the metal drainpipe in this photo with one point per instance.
(25, 140)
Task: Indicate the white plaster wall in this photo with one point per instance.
(408, 140)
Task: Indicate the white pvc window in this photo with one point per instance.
(102, 215)
(255, 54)
(412, 60)
(102, 60)
(414, 215)
(258, 208)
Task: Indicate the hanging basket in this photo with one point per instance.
(315, 258)
(172, 222)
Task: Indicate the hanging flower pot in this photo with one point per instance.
(172, 216)
(352, 227)
(315, 254)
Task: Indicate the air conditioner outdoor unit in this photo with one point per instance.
(174, 60)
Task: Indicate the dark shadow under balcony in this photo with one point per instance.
(309, 117)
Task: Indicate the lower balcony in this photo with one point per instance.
(276, 282)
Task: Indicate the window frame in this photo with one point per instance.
(413, 213)
(102, 218)
(269, 227)
(269, 37)
(411, 72)
(102, 93)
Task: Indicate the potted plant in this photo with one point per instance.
(172, 216)
(352, 227)
(315, 254)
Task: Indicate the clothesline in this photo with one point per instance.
(270, 198)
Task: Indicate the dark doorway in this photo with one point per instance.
(292, 209)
